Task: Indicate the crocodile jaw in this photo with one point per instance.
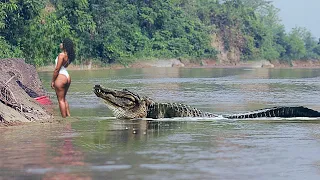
(124, 104)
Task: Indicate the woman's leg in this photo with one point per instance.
(67, 108)
(60, 87)
(65, 94)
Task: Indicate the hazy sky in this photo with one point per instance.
(301, 13)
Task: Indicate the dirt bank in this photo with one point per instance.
(19, 85)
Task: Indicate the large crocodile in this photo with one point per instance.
(128, 105)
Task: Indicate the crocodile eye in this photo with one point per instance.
(130, 98)
(98, 90)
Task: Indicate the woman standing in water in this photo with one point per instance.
(61, 79)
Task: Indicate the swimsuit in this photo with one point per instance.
(63, 70)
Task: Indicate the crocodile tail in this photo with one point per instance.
(284, 112)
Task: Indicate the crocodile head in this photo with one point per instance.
(123, 103)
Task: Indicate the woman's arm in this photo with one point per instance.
(57, 69)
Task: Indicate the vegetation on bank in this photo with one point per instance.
(123, 31)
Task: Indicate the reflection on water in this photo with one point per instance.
(97, 146)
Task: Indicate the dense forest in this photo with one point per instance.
(122, 31)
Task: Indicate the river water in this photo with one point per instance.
(94, 145)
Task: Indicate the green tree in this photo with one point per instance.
(268, 15)
(19, 13)
(294, 46)
(80, 19)
(122, 31)
(310, 42)
(41, 42)
(147, 29)
(5, 9)
(7, 50)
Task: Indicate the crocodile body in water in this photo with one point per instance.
(128, 105)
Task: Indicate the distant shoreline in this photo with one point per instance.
(203, 64)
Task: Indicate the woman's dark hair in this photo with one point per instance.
(69, 47)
